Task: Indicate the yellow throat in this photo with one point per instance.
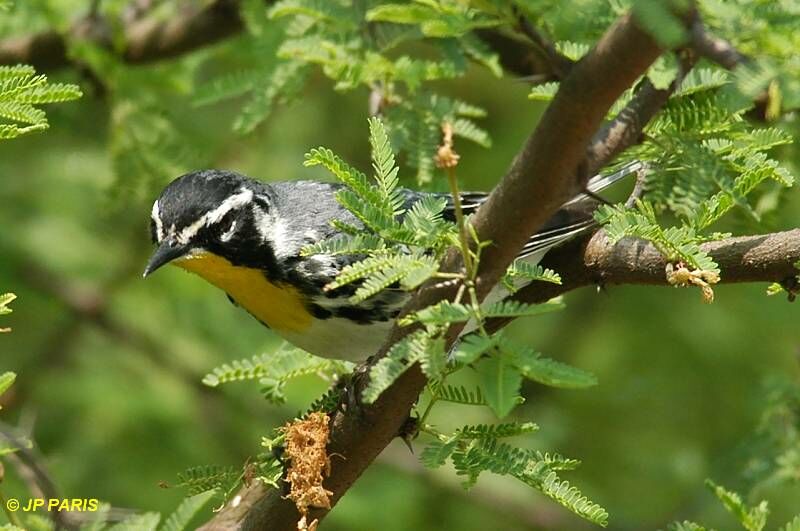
(278, 306)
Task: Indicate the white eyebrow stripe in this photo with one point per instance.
(156, 215)
(214, 216)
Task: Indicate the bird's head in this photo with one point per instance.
(209, 213)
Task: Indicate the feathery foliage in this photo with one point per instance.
(200, 479)
(702, 162)
(751, 518)
(400, 242)
(274, 370)
(363, 46)
(5, 300)
(21, 90)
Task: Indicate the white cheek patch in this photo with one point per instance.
(274, 230)
(156, 216)
(282, 243)
(214, 216)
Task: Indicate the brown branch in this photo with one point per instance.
(558, 64)
(549, 168)
(626, 129)
(594, 261)
(150, 39)
(543, 175)
(515, 55)
(146, 40)
(715, 48)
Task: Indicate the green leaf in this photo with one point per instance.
(97, 520)
(6, 380)
(793, 525)
(701, 79)
(675, 243)
(500, 382)
(400, 357)
(442, 313)
(436, 453)
(384, 166)
(662, 73)
(573, 50)
(57, 92)
(345, 244)
(546, 371)
(461, 395)
(227, 86)
(205, 478)
(685, 526)
(570, 497)
(751, 518)
(275, 369)
(401, 13)
(512, 308)
(496, 431)
(657, 17)
(470, 130)
(434, 358)
(186, 511)
(531, 272)
(472, 347)
(320, 10)
(482, 54)
(22, 112)
(544, 92)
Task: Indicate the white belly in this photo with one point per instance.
(340, 339)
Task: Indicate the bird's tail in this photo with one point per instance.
(601, 182)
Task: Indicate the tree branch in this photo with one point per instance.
(626, 129)
(715, 48)
(594, 261)
(558, 64)
(544, 174)
(146, 40)
(150, 39)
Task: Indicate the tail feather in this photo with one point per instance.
(599, 183)
(574, 217)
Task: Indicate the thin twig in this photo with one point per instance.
(715, 48)
(626, 129)
(559, 64)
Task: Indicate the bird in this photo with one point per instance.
(245, 237)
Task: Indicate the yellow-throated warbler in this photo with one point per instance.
(245, 236)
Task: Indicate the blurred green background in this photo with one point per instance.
(110, 365)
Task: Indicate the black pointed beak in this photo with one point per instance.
(164, 254)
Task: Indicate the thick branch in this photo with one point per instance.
(595, 261)
(548, 170)
(152, 39)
